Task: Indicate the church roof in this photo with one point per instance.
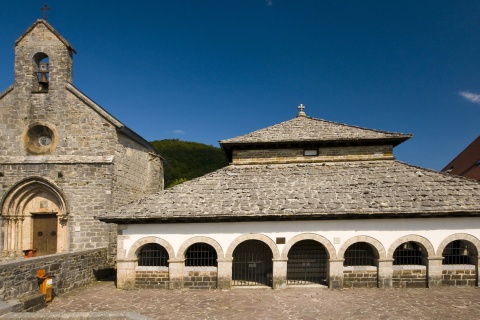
(307, 129)
(49, 27)
(331, 190)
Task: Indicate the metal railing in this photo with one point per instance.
(359, 254)
(307, 263)
(152, 255)
(201, 255)
(408, 253)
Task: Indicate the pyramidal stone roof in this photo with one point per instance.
(307, 129)
(331, 190)
(343, 189)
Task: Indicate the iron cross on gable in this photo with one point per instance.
(45, 8)
(301, 107)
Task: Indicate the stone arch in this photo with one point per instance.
(25, 189)
(41, 72)
(132, 253)
(185, 245)
(372, 241)
(309, 236)
(458, 236)
(423, 242)
(252, 236)
(27, 201)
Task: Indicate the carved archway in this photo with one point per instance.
(27, 206)
(132, 252)
(380, 250)
(253, 236)
(183, 248)
(422, 241)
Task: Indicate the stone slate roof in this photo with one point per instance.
(332, 190)
(307, 129)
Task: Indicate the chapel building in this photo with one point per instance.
(63, 159)
(304, 202)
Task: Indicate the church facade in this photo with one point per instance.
(63, 159)
(304, 202)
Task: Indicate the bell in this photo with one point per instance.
(43, 78)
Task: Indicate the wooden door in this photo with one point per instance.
(45, 233)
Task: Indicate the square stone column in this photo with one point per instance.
(279, 276)
(385, 273)
(126, 273)
(335, 273)
(477, 261)
(224, 274)
(175, 273)
(434, 272)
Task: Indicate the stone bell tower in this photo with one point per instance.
(43, 59)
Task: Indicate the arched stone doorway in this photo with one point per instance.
(252, 264)
(34, 217)
(307, 263)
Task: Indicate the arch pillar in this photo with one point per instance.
(126, 273)
(434, 271)
(335, 273)
(175, 273)
(224, 273)
(279, 276)
(385, 273)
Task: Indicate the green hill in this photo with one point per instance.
(187, 160)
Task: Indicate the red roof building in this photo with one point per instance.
(467, 163)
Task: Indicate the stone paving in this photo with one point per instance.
(292, 303)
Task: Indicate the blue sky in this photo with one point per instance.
(205, 70)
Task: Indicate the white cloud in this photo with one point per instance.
(269, 2)
(178, 131)
(472, 97)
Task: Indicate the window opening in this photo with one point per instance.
(201, 255)
(457, 252)
(408, 253)
(359, 254)
(153, 255)
(310, 152)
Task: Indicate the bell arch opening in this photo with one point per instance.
(41, 75)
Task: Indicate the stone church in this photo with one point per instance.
(63, 159)
(304, 202)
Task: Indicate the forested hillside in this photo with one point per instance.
(187, 160)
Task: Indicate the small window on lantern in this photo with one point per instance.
(310, 152)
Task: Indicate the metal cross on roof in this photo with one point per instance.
(45, 8)
(301, 107)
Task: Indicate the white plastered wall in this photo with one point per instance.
(386, 231)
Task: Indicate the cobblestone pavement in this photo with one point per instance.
(292, 303)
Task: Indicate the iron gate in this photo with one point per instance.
(307, 263)
(252, 264)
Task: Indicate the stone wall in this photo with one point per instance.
(409, 276)
(459, 275)
(360, 277)
(71, 270)
(152, 279)
(138, 172)
(324, 154)
(200, 278)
